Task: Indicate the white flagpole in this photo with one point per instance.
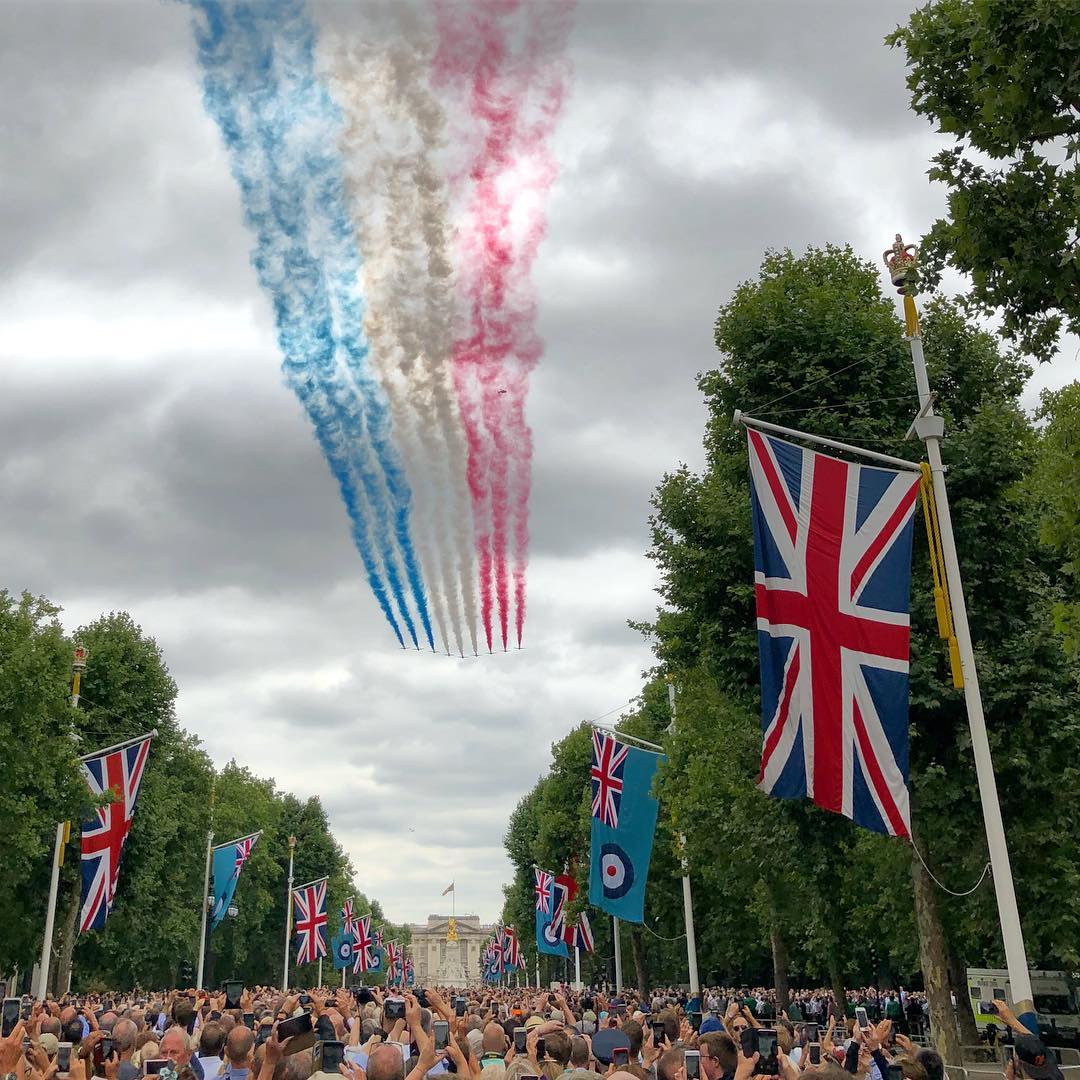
(931, 429)
(78, 666)
(537, 969)
(288, 918)
(687, 895)
(320, 973)
(577, 968)
(50, 915)
(618, 954)
(205, 907)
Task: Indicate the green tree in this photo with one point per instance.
(1057, 479)
(40, 782)
(1003, 76)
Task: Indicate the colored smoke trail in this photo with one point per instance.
(279, 125)
(391, 124)
(515, 99)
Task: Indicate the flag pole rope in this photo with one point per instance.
(945, 888)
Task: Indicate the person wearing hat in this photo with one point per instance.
(1031, 1060)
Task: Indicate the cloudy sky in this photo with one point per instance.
(153, 461)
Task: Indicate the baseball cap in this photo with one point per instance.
(533, 1021)
(1034, 1059)
(49, 1043)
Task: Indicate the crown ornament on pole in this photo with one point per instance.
(903, 263)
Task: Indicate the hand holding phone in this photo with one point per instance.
(815, 1053)
(441, 1030)
(620, 1056)
(63, 1059)
(692, 1061)
(521, 1040)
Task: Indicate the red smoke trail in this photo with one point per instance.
(510, 172)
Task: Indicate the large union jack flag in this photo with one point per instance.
(393, 961)
(362, 943)
(542, 888)
(119, 772)
(310, 908)
(606, 777)
(832, 570)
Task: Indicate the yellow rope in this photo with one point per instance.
(942, 603)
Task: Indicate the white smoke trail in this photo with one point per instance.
(392, 124)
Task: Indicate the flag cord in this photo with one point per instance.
(945, 888)
(677, 937)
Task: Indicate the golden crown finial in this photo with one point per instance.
(903, 263)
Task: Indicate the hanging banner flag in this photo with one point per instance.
(410, 971)
(623, 824)
(832, 575)
(583, 938)
(228, 861)
(566, 889)
(511, 951)
(342, 947)
(393, 961)
(118, 770)
(310, 919)
(377, 961)
(362, 944)
(347, 916)
(548, 935)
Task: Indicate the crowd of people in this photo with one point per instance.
(366, 1033)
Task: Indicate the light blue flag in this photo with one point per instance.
(378, 960)
(229, 859)
(623, 825)
(549, 921)
(342, 946)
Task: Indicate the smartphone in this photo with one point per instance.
(63, 1059)
(362, 994)
(521, 1039)
(12, 1014)
(692, 1061)
(988, 1008)
(102, 1050)
(299, 1031)
(658, 1032)
(329, 1054)
(810, 1032)
(620, 1055)
(264, 1033)
(541, 1050)
(394, 1009)
(421, 998)
(1007, 1053)
(815, 1053)
(896, 1072)
(234, 989)
(861, 1018)
(249, 1020)
(305, 999)
(551, 999)
(154, 1066)
(768, 1063)
(441, 1028)
(748, 1042)
(459, 1006)
(695, 1022)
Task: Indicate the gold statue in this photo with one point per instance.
(451, 929)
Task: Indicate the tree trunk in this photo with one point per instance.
(935, 962)
(779, 959)
(67, 940)
(836, 977)
(965, 1018)
(637, 944)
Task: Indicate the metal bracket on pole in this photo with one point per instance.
(927, 406)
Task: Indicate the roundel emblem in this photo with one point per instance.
(344, 950)
(616, 871)
(551, 934)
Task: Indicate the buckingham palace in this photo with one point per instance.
(429, 948)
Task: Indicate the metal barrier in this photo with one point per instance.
(966, 1072)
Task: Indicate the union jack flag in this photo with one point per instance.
(583, 938)
(832, 569)
(120, 773)
(347, 916)
(511, 950)
(393, 958)
(542, 888)
(362, 942)
(378, 938)
(410, 971)
(243, 852)
(606, 778)
(499, 956)
(565, 890)
(310, 906)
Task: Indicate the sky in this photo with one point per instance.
(152, 460)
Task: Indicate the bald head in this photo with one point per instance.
(385, 1063)
(494, 1039)
(238, 1046)
(124, 1035)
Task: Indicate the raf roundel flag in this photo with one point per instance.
(549, 937)
(623, 825)
(343, 950)
(832, 576)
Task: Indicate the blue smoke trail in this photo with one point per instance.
(279, 126)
